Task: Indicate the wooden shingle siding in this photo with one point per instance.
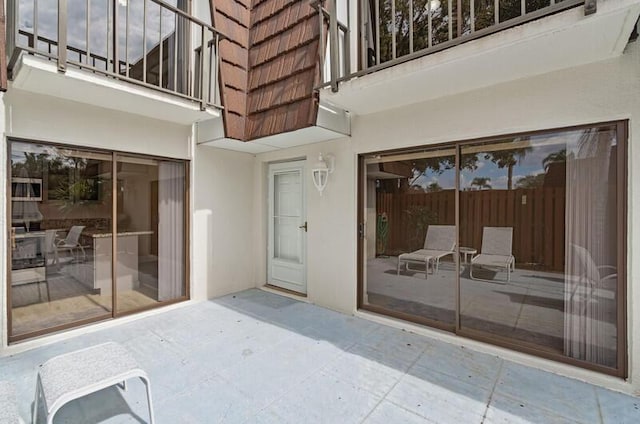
(269, 66)
(232, 18)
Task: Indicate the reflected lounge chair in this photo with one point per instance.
(439, 242)
(496, 252)
(72, 241)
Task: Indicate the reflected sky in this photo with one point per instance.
(100, 24)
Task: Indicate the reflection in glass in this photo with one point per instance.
(61, 198)
(539, 213)
(151, 232)
(410, 236)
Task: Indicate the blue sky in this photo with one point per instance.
(531, 164)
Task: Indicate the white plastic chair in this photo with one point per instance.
(439, 242)
(72, 242)
(50, 247)
(496, 252)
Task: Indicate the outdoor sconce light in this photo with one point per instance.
(321, 171)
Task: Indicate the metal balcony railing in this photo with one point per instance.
(145, 42)
(390, 32)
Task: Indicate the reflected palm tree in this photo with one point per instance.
(555, 157)
(481, 182)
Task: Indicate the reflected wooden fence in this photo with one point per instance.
(536, 215)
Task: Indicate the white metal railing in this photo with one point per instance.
(145, 42)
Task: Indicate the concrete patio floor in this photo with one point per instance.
(256, 357)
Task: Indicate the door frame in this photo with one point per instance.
(272, 169)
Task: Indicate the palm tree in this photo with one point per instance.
(555, 157)
(508, 159)
(481, 183)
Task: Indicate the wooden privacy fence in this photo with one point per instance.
(536, 215)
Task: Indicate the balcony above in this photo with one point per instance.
(41, 76)
(150, 58)
(553, 42)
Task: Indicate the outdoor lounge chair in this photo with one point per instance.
(8, 404)
(439, 242)
(496, 252)
(76, 374)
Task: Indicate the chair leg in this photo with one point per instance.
(34, 412)
(398, 273)
(48, 291)
(147, 384)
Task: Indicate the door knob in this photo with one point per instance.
(304, 226)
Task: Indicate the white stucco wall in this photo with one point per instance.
(223, 235)
(46, 118)
(598, 92)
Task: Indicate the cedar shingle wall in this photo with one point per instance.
(232, 17)
(269, 67)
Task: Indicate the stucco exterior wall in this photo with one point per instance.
(597, 92)
(223, 236)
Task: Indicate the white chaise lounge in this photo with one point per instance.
(76, 374)
(496, 252)
(8, 404)
(439, 242)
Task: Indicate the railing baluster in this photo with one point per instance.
(496, 12)
(88, 31)
(459, 18)
(216, 93)
(126, 42)
(160, 52)
(108, 22)
(364, 39)
(472, 15)
(377, 14)
(393, 29)
(429, 25)
(34, 43)
(347, 42)
(204, 70)
(410, 26)
(523, 7)
(144, 41)
(450, 18)
(62, 35)
(175, 54)
(116, 62)
(323, 49)
(333, 48)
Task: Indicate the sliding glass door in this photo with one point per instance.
(539, 254)
(151, 238)
(65, 205)
(410, 260)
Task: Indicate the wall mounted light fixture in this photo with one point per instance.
(321, 170)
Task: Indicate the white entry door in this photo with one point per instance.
(287, 227)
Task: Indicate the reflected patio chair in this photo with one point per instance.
(497, 250)
(72, 242)
(584, 269)
(439, 242)
(50, 249)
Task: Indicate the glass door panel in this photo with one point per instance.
(410, 257)
(61, 202)
(538, 217)
(150, 263)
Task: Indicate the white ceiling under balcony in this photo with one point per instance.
(41, 76)
(560, 41)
